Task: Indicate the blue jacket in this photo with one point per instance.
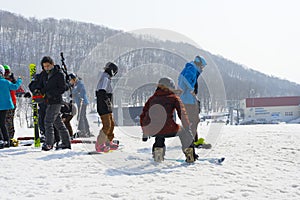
(187, 80)
(5, 98)
(79, 92)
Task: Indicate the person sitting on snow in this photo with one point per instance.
(157, 121)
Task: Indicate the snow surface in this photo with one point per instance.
(262, 162)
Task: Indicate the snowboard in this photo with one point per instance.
(95, 152)
(37, 142)
(217, 161)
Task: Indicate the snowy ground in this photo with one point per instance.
(262, 162)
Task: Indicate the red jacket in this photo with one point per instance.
(13, 94)
(157, 116)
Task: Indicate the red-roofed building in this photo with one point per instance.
(270, 109)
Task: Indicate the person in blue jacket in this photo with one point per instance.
(187, 82)
(6, 103)
(81, 100)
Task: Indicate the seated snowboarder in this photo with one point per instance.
(157, 121)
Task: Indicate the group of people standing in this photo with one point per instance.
(156, 120)
(55, 114)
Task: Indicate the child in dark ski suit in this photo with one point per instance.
(157, 121)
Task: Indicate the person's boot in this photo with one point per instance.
(189, 155)
(112, 145)
(158, 154)
(100, 145)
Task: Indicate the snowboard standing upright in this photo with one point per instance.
(37, 141)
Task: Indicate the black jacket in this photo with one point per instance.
(53, 85)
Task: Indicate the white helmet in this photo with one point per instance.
(2, 70)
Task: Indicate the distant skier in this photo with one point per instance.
(104, 108)
(6, 104)
(187, 82)
(81, 100)
(157, 121)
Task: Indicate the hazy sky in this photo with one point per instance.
(262, 34)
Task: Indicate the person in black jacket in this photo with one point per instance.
(53, 85)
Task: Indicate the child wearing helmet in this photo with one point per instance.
(104, 94)
(157, 121)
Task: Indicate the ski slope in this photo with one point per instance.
(262, 162)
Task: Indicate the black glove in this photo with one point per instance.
(27, 95)
(145, 138)
(12, 78)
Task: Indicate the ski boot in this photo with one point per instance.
(63, 146)
(46, 147)
(190, 155)
(1, 144)
(102, 147)
(112, 145)
(158, 154)
(14, 142)
(201, 144)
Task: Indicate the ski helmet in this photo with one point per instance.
(6, 67)
(2, 70)
(167, 82)
(7, 70)
(72, 76)
(111, 68)
(200, 60)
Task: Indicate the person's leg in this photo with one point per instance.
(158, 149)
(4, 135)
(85, 123)
(110, 133)
(187, 142)
(52, 111)
(9, 122)
(42, 113)
(193, 114)
(67, 122)
(63, 132)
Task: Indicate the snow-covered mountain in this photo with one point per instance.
(87, 47)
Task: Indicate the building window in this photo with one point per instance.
(288, 114)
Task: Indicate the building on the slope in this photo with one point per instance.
(270, 109)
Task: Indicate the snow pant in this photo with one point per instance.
(42, 113)
(4, 134)
(9, 122)
(67, 121)
(107, 128)
(185, 136)
(193, 114)
(53, 119)
(83, 125)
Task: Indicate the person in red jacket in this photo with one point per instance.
(157, 120)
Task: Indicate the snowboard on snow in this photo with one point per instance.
(217, 161)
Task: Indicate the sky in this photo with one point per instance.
(261, 34)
